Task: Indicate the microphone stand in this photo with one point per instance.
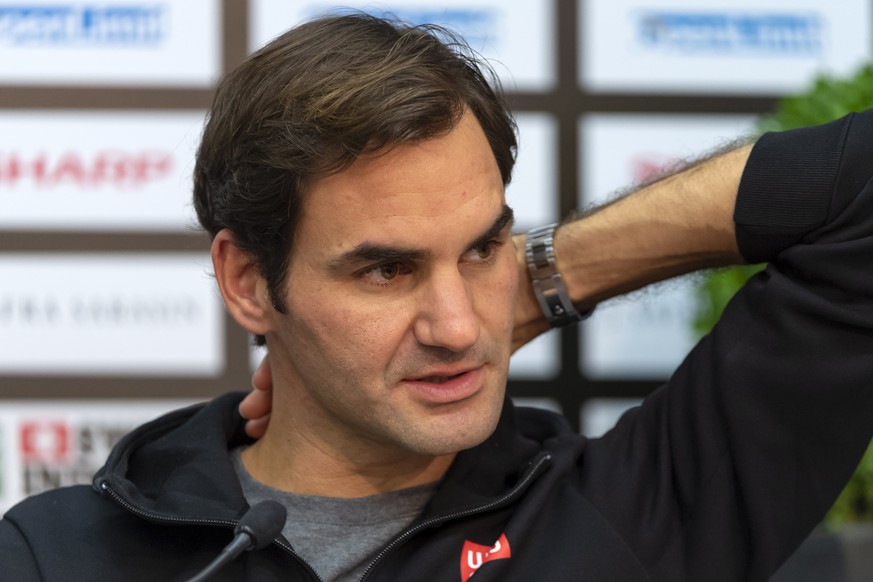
(255, 530)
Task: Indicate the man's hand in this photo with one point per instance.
(529, 320)
(256, 407)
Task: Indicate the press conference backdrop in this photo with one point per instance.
(108, 313)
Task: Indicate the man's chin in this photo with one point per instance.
(461, 432)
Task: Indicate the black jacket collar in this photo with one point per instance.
(178, 466)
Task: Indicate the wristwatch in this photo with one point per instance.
(547, 283)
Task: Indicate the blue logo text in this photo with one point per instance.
(726, 33)
(81, 25)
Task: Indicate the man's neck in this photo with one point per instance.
(307, 467)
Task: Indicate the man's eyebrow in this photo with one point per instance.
(506, 218)
(373, 252)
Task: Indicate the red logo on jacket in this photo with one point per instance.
(474, 555)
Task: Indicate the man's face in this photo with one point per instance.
(400, 298)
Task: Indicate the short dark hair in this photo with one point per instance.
(315, 99)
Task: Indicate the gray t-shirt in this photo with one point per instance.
(339, 537)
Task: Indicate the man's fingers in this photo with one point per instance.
(262, 379)
(257, 427)
(256, 404)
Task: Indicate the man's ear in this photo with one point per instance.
(242, 287)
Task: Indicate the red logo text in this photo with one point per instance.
(114, 168)
(474, 555)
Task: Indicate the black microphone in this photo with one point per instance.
(255, 530)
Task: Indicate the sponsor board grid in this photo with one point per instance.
(523, 38)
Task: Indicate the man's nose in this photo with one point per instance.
(446, 313)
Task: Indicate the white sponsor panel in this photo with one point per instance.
(153, 314)
(116, 42)
(645, 335)
(56, 443)
(538, 360)
(598, 415)
(741, 46)
(533, 192)
(256, 355)
(543, 403)
(533, 195)
(79, 170)
(517, 37)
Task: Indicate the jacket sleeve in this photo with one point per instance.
(723, 471)
(17, 563)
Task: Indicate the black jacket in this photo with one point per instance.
(719, 475)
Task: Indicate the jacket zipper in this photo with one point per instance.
(231, 523)
(534, 471)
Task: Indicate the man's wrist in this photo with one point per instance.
(546, 281)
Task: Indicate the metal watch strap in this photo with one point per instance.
(547, 283)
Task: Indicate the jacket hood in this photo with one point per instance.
(178, 464)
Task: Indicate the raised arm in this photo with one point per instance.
(723, 471)
(676, 225)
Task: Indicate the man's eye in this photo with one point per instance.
(382, 273)
(486, 249)
(389, 271)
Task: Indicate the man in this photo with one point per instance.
(352, 176)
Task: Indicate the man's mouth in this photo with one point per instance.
(447, 387)
(439, 379)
